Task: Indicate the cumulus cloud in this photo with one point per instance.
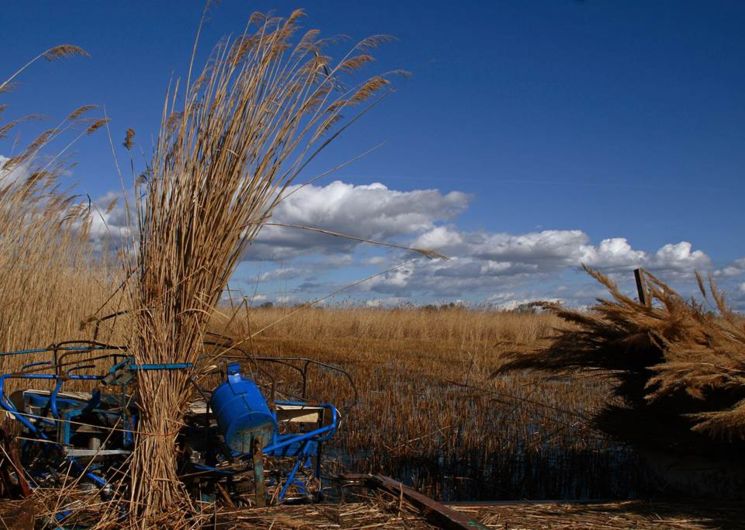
(286, 273)
(555, 249)
(9, 176)
(366, 211)
(546, 246)
(737, 298)
(455, 277)
(614, 253)
(482, 264)
(736, 268)
(679, 258)
(390, 301)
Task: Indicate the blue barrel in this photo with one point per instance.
(242, 412)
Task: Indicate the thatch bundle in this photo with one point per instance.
(671, 353)
(265, 105)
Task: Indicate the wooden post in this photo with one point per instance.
(640, 287)
(258, 461)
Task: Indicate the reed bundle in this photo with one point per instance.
(263, 107)
(670, 351)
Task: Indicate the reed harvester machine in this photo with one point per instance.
(239, 442)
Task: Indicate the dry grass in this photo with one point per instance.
(454, 329)
(54, 282)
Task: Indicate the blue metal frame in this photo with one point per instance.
(63, 410)
(57, 427)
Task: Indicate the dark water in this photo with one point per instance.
(548, 473)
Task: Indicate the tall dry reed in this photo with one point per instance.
(51, 279)
(265, 105)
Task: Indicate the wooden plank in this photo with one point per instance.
(258, 461)
(435, 512)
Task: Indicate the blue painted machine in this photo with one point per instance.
(238, 443)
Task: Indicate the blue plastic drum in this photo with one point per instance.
(242, 413)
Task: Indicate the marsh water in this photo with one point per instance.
(615, 472)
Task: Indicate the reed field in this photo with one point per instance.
(432, 412)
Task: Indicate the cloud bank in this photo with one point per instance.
(492, 267)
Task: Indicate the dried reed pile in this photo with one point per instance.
(639, 515)
(674, 356)
(380, 511)
(264, 106)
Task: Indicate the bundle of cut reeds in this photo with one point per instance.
(265, 105)
(669, 349)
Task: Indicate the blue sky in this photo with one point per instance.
(546, 127)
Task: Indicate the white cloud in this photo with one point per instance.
(390, 301)
(517, 303)
(286, 273)
(545, 246)
(376, 260)
(365, 211)
(679, 258)
(285, 299)
(557, 249)
(109, 223)
(8, 176)
(482, 264)
(258, 299)
(736, 268)
(613, 253)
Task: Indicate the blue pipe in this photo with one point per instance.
(311, 434)
(290, 480)
(53, 398)
(30, 351)
(8, 405)
(160, 366)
